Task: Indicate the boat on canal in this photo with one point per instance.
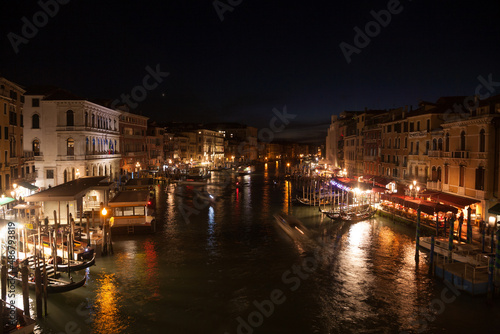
(294, 228)
(198, 173)
(351, 216)
(54, 282)
(245, 169)
(312, 202)
(131, 213)
(20, 324)
(54, 285)
(461, 252)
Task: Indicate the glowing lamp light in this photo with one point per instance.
(492, 220)
(104, 211)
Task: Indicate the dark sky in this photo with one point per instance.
(263, 55)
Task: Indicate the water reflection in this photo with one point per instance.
(107, 317)
(151, 270)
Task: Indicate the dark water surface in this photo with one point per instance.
(224, 267)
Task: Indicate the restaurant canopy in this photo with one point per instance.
(414, 203)
(27, 185)
(495, 209)
(6, 200)
(458, 201)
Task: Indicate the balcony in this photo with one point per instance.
(480, 194)
(98, 155)
(446, 154)
(66, 158)
(435, 153)
(461, 154)
(479, 155)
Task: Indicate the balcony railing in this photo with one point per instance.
(461, 154)
(436, 153)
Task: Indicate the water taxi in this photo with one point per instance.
(131, 213)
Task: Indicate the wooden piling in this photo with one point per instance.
(87, 230)
(38, 290)
(45, 283)
(69, 256)
(431, 256)
(26, 296)
(4, 278)
(110, 242)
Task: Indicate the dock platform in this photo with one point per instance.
(465, 277)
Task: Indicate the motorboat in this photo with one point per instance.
(245, 169)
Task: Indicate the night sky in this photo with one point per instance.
(263, 55)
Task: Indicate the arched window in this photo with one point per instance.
(35, 121)
(480, 178)
(13, 148)
(447, 143)
(434, 144)
(93, 145)
(86, 119)
(434, 174)
(482, 141)
(65, 174)
(73, 174)
(36, 147)
(70, 118)
(93, 120)
(461, 180)
(462, 141)
(439, 173)
(87, 145)
(440, 144)
(70, 147)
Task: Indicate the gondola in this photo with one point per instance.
(54, 285)
(306, 201)
(76, 265)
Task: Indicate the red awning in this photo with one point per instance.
(377, 189)
(454, 200)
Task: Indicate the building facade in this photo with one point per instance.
(12, 156)
(70, 137)
(133, 133)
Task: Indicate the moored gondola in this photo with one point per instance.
(54, 285)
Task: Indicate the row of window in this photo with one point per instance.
(437, 144)
(97, 122)
(436, 174)
(102, 145)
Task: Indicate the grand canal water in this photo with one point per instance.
(224, 267)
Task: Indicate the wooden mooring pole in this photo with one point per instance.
(26, 296)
